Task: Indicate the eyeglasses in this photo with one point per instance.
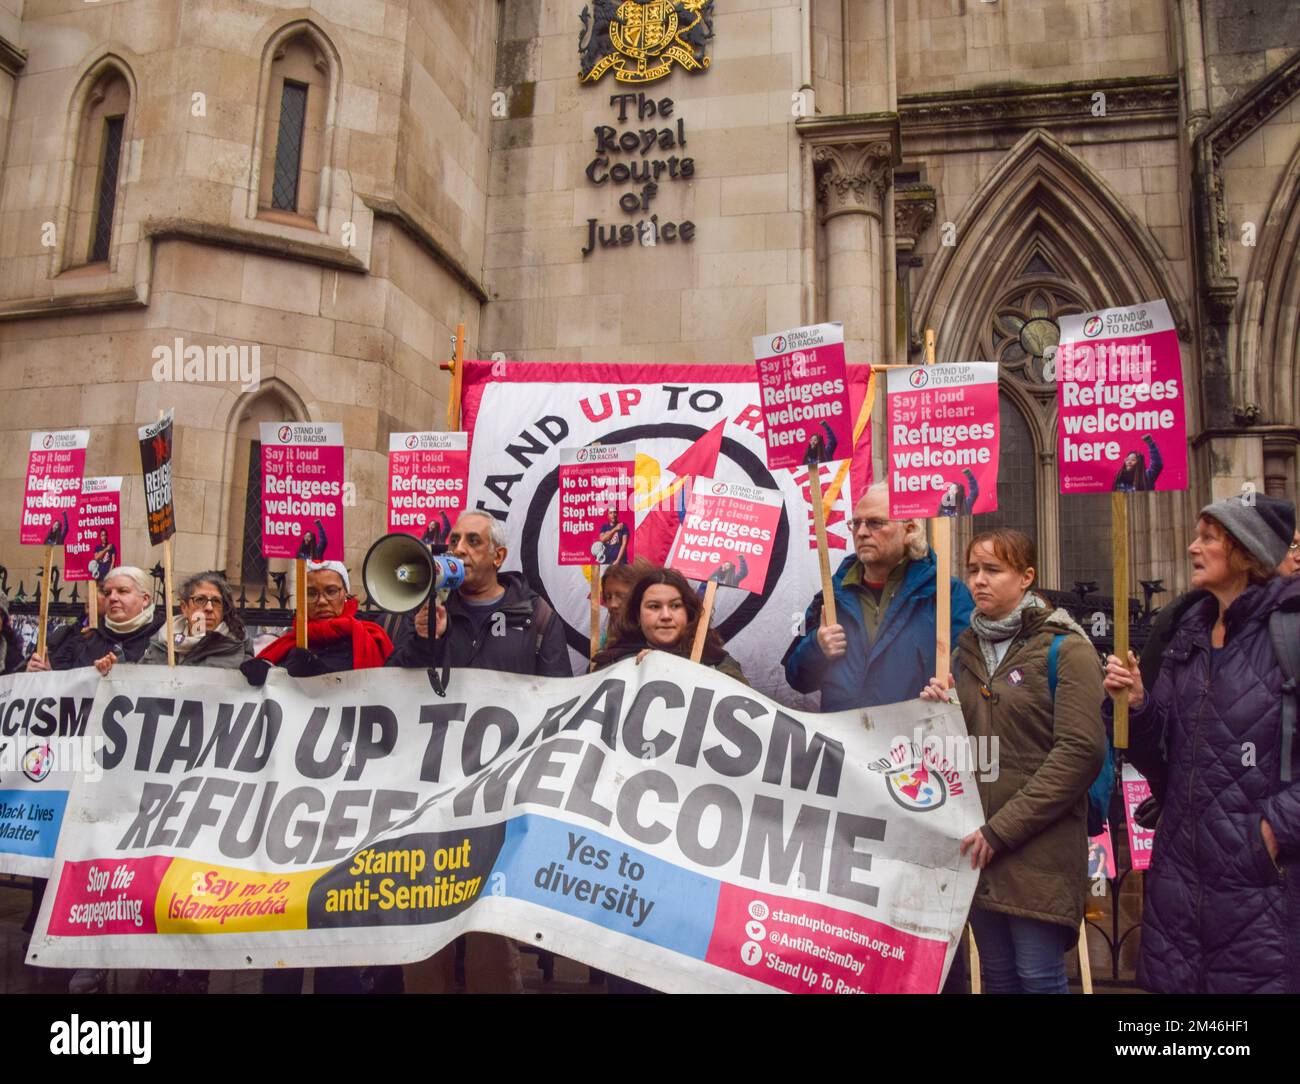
(330, 593)
(204, 601)
(872, 525)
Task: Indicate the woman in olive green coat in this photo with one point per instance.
(1047, 750)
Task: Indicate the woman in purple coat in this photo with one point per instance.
(1222, 907)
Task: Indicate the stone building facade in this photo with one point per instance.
(340, 184)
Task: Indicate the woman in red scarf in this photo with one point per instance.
(336, 640)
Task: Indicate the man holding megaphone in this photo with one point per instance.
(493, 621)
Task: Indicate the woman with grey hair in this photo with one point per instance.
(128, 624)
(210, 632)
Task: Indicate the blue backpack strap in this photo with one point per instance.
(1100, 791)
(1053, 655)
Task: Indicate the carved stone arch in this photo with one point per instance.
(275, 400)
(1268, 336)
(1044, 218)
(111, 59)
(274, 38)
(1041, 183)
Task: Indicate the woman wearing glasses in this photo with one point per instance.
(337, 640)
(210, 632)
(1049, 744)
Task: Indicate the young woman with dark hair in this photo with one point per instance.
(1134, 475)
(662, 614)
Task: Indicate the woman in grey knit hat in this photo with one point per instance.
(1222, 903)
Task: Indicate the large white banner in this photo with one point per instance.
(708, 420)
(660, 821)
(43, 745)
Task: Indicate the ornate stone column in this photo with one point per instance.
(853, 160)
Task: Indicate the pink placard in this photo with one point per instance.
(943, 440)
(804, 392)
(1119, 387)
(1140, 840)
(94, 542)
(428, 479)
(727, 534)
(804, 947)
(55, 464)
(302, 490)
(597, 510)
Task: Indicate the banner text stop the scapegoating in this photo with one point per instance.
(558, 759)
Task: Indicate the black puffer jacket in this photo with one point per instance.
(83, 648)
(531, 641)
(1220, 916)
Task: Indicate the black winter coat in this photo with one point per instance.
(531, 641)
(83, 648)
(1220, 916)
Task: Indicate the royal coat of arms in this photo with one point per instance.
(639, 40)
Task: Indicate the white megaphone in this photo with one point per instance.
(400, 573)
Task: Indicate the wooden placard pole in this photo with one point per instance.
(706, 615)
(974, 962)
(456, 368)
(1085, 964)
(167, 588)
(92, 604)
(45, 601)
(941, 534)
(595, 610)
(300, 601)
(823, 552)
(167, 598)
(1119, 558)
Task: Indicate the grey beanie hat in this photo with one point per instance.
(1263, 525)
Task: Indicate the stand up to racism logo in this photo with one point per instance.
(640, 40)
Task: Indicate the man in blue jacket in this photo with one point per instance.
(882, 649)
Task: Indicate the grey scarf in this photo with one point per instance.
(989, 632)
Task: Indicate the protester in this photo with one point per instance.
(662, 614)
(1134, 475)
(337, 641)
(1162, 629)
(210, 633)
(958, 499)
(436, 529)
(494, 621)
(105, 555)
(881, 650)
(1033, 849)
(612, 539)
(728, 574)
(527, 637)
(821, 448)
(13, 643)
(313, 544)
(615, 586)
(127, 623)
(124, 631)
(1222, 896)
(1291, 562)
